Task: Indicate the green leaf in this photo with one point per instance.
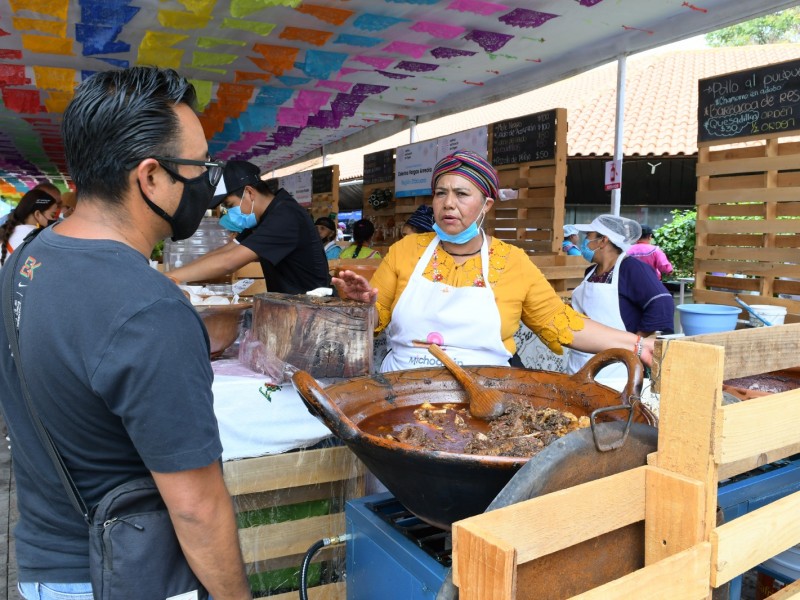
(677, 240)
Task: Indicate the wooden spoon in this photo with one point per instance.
(484, 403)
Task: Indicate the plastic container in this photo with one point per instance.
(697, 319)
(774, 314)
(209, 235)
(786, 564)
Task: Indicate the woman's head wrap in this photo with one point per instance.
(472, 166)
(422, 218)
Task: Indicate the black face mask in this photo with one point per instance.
(197, 194)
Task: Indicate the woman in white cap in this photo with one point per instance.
(619, 293)
(571, 240)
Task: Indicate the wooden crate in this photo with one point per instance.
(253, 271)
(564, 272)
(286, 482)
(686, 555)
(748, 230)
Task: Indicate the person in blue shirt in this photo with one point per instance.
(327, 233)
(571, 242)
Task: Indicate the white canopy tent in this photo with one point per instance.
(284, 80)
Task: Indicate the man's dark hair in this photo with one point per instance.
(119, 118)
(273, 185)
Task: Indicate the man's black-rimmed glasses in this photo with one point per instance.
(214, 167)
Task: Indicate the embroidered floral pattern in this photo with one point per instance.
(437, 274)
(267, 390)
(560, 330)
(442, 268)
(601, 277)
(442, 264)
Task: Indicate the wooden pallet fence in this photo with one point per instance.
(686, 555)
(284, 504)
(403, 207)
(748, 224)
(562, 271)
(534, 220)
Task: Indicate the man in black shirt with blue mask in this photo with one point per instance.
(276, 231)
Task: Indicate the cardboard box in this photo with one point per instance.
(767, 584)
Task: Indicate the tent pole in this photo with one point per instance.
(616, 195)
(412, 130)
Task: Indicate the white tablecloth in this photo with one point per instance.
(256, 423)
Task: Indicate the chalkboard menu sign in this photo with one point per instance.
(751, 102)
(379, 167)
(532, 137)
(322, 180)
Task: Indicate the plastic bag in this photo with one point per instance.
(254, 355)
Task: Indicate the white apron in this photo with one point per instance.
(466, 318)
(599, 302)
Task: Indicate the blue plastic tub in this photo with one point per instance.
(707, 318)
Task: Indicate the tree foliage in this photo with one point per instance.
(783, 26)
(677, 240)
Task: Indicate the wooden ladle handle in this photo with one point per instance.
(483, 403)
(460, 374)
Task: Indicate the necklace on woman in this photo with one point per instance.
(463, 253)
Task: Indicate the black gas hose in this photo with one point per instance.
(316, 547)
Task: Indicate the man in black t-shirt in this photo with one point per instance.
(276, 230)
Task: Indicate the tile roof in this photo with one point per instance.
(660, 106)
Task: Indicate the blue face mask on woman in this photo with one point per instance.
(587, 252)
(466, 235)
(238, 219)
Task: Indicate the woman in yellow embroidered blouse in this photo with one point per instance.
(466, 291)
